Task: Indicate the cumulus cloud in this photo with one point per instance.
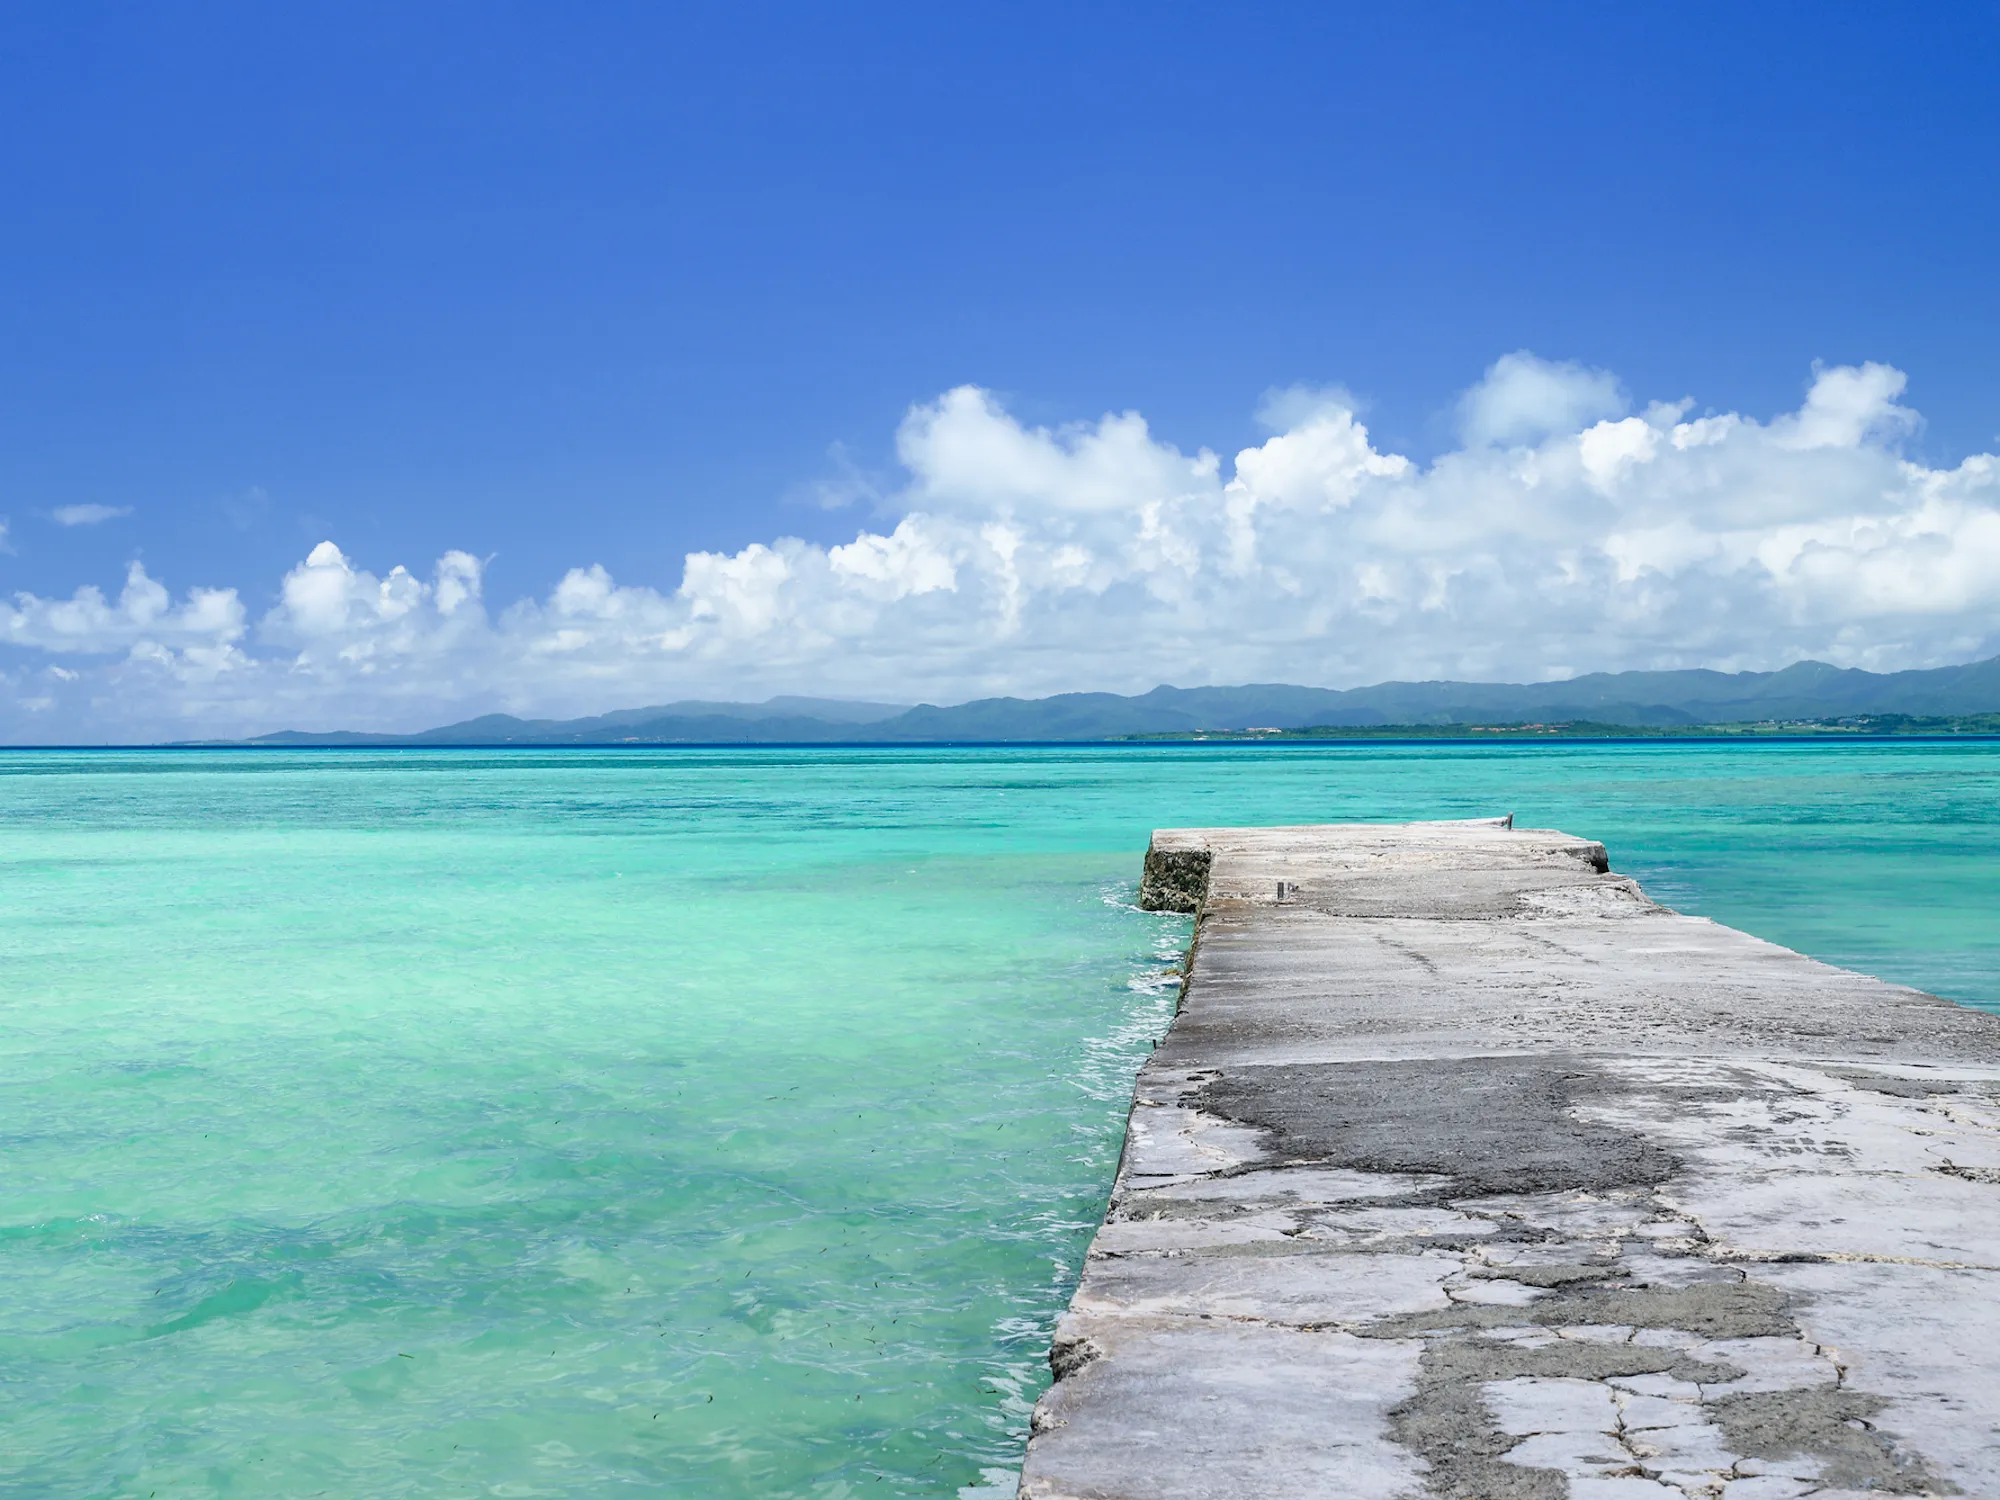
(87, 515)
(143, 615)
(1568, 532)
(1523, 399)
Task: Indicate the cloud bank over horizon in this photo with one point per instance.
(1566, 532)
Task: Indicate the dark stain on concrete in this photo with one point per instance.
(1491, 1124)
(1448, 1424)
(1733, 1309)
(1901, 1088)
(1836, 1427)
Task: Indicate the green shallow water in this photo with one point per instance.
(693, 1123)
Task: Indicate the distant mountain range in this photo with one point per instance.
(1808, 690)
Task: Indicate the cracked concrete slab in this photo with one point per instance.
(1468, 1171)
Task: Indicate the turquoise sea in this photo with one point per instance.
(693, 1123)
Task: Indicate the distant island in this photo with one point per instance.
(1808, 698)
(1851, 726)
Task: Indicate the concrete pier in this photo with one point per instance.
(1466, 1170)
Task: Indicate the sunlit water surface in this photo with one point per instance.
(692, 1123)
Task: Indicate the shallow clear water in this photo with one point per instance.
(692, 1123)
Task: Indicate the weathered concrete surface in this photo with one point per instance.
(1466, 1170)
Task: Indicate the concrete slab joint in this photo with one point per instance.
(1466, 1170)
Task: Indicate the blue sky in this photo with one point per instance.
(563, 288)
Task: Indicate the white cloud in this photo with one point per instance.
(87, 515)
(1566, 535)
(1609, 448)
(1847, 405)
(1523, 399)
(900, 564)
(143, 614)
